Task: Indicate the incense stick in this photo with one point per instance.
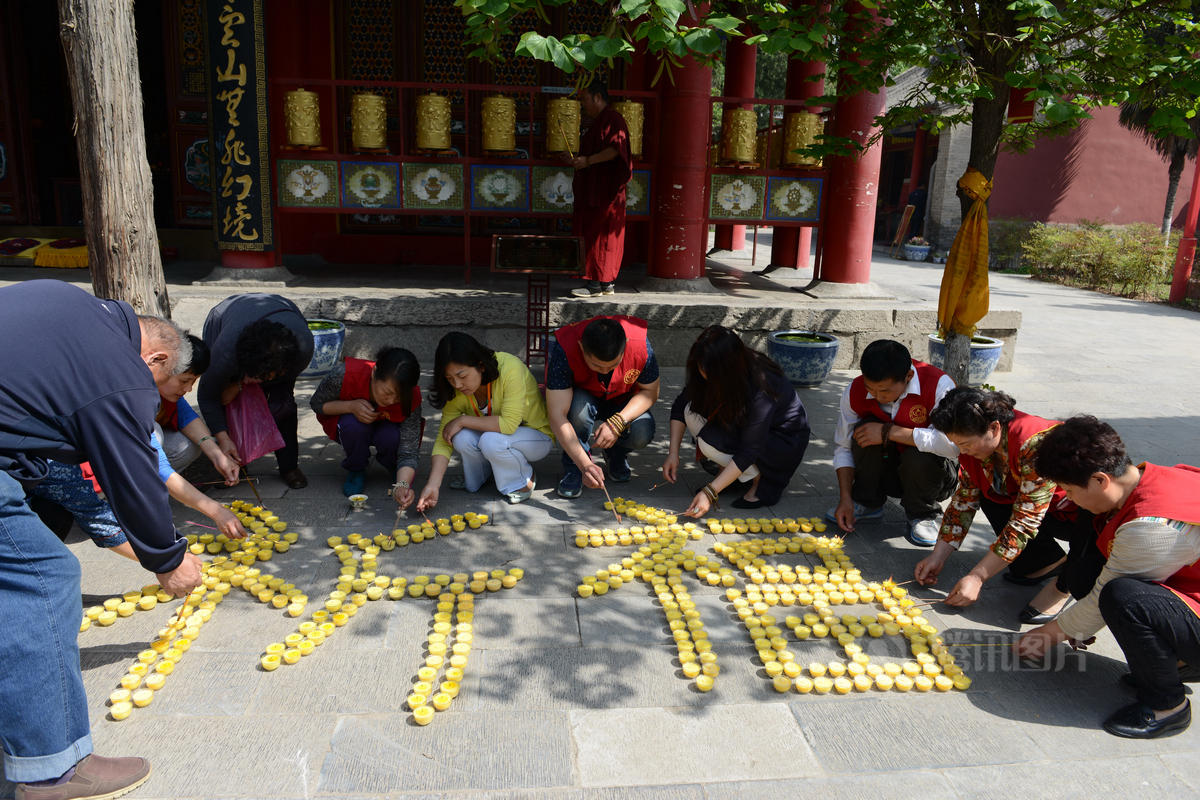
(200, 525)
(246, 477)
(222, 483)
(611, 503)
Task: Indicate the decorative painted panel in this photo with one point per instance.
(370, 185)
(308, 184)
(499, 188)
(433, 186)
(737, 197)
(637, 194)
(552, 192)
(794, 199)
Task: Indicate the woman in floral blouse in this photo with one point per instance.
(996, 474)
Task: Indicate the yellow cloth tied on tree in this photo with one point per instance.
(964, 298)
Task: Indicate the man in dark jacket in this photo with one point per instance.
(79, 385)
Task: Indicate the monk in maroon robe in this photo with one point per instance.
(602, 168)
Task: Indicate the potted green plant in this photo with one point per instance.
(985, 355)
(917, 249)
(804, 356)
(328, 337)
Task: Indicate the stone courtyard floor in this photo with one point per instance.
(566, 697)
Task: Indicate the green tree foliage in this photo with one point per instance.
(1070, 56)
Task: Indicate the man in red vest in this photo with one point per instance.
(885, 447)
(1148, 593)
(601, 382)
(602, 168)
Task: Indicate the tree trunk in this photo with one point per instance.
(1174, 173)
(118, 198)
(988, 117)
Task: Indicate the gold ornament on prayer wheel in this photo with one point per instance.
(562, 123)
(433, 122)
(368, 121)
(801, 129)
(738, 133)
(499, 123)
(302, 118)
(634, 114)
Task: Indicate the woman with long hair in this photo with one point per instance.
(997, 474)
(744, 415)
(363, 404)
(493, 416)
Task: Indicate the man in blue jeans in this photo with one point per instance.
(601, 382)
(79, 387)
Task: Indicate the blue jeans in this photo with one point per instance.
(66, 486)
(587, 411)
(43, 709)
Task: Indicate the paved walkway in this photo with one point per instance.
(567, 697)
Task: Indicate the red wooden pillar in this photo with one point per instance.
(853, 180)
(790, 246)
(740, 62)
(680, 231)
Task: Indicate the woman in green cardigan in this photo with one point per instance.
(493, 416)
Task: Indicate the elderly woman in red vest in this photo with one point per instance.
(1148, 592)
(745, 416)
(364, 404)
(996, 474)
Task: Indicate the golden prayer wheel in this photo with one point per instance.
(634, 114)
(738, 133)
(801, 129)
(562, 123)
(368, 121)
(302, 118)
(433, 122)
(499, 123)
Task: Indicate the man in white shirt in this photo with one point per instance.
(884, 446)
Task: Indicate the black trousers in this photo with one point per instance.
(920, 480)
(281, 400)
(1084, 560)
(1156, 630)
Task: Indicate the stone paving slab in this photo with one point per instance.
(927, 785)
(1136, 776)
(715, 742)
(876, 732)
(483, 750)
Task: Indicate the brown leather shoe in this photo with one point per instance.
(294, 478)
(95, 778)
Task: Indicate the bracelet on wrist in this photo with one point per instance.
(204, 439)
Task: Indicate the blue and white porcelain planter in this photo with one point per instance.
(917, 252)
(327, 346)
(804, 363)
(985, 355)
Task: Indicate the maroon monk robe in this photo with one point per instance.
(600, 196)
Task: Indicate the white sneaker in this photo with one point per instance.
(861, 514)
(923, 532)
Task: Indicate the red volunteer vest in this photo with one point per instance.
(625, 375)
(1172, 493)
(1020, 429)
(914, 409)
(168, 414)
(356, 385)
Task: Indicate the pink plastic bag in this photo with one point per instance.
(251, 425)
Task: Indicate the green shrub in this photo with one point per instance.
(1130, 260)
(1005, 237)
